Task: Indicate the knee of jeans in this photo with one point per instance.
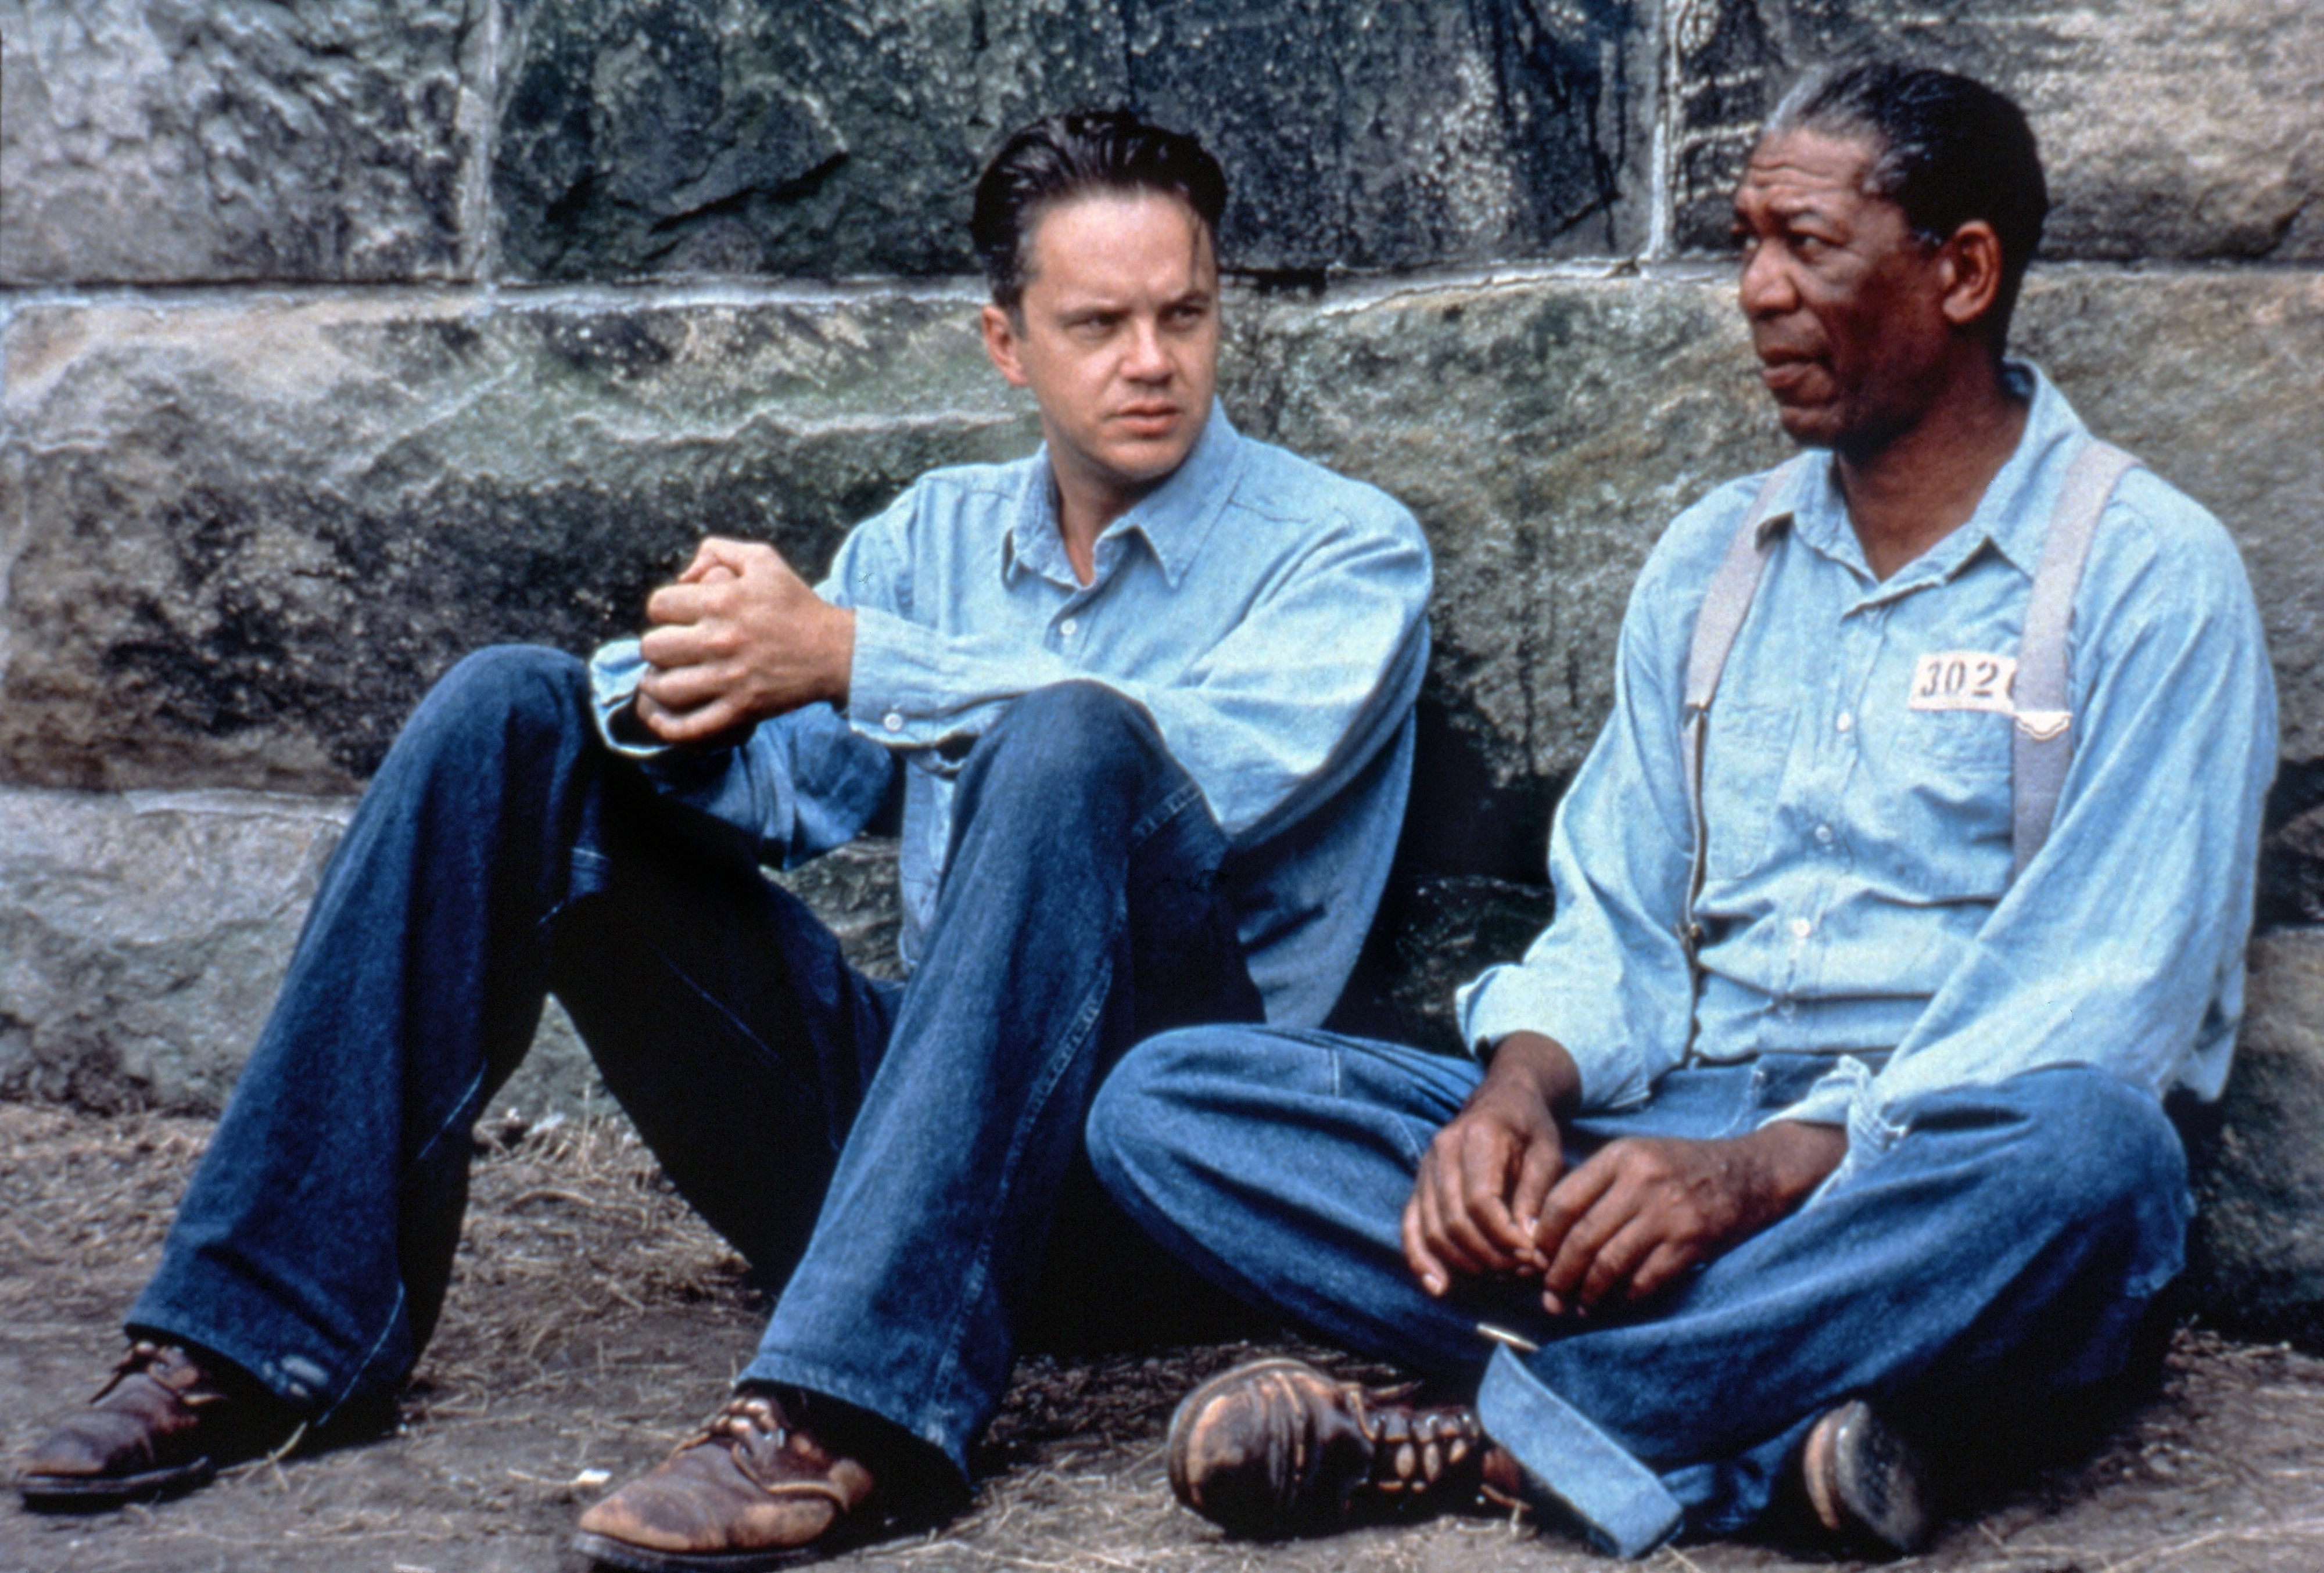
(2100, 1146)
(1074, 733)
(504, 690)
(1138, 1119)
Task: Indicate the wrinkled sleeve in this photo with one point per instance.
(1271, 720)
(2121, 944)
(1609, 979)
(798, 785)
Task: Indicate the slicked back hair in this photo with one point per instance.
(1063, 156)
(1948, 150)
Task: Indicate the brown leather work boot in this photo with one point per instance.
(1277, 1448)
(750, 1491)
(162, 1423)
(1865, 1484)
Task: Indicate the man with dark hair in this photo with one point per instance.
(1819, 1139)
(1145, 699)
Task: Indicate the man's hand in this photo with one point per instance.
(737, 638)
(1643, 1211)
(1474, 1206)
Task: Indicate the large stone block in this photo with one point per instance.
(2167, 129)
(141, 937)
(208, 508)
(245, 537)
(1544, 428)
(144, 937)
(172, 141)
(649, 136)
(2256, 1254)
(1375, 133)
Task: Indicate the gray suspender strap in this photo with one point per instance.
(2042, 744)
(1725, 605)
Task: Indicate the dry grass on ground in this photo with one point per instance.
(593, 1320)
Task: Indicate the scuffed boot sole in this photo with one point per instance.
(96, 1492)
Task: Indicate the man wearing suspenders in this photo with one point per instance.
(1819, 1141)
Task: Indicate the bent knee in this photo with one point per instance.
(1072, 728)
(507, 683)
(2088, 1144)
(1146, 1114)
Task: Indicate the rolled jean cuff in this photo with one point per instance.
(1620, 1501)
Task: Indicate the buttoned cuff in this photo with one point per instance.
(886, 679)
(613, 674)
(1846, 1096)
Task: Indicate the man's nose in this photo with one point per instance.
(1148, 361)
(1764, 287)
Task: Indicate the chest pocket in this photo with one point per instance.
(1743, 765)
(1942, 782)
(1966, 741)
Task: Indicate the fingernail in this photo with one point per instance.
(1433, 1284)
(1552, 1303)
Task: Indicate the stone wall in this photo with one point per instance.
(341, 338)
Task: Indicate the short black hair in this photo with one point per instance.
(1061, 156)
(1950, 150)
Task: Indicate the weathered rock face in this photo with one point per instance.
(2256, 1253)
(653, 136)
(215, 509)
(165, 141)
(258, 535)
(141, 937)
(2167, 131)
(1544, 430)
(144, 935)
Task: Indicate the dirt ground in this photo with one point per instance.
(594, 1320)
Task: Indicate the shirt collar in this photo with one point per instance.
(2012, 516)
(1174, 518)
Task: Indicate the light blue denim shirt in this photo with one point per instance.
(1857, 895)
(1268, 615)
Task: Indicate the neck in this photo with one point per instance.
(1084, 510)
(1908, 491)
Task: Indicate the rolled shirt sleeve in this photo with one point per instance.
(1269, 718)
(798, 785)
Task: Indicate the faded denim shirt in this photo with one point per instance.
(1858, 894)
(1268, 615)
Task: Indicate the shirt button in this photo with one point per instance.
(1787, 1009)
(1846, 723)
(1823, 835)
(892, 720)
(1068, 629)
(1802, 928)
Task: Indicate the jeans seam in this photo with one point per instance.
(363, 1366)
(980, 1262)
(1163, 812)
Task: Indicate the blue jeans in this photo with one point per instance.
(1995, 1262)
(897, 1153)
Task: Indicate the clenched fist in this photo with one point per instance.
(739, 638)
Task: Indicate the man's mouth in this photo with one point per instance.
(1147, 419)
(1783, 371)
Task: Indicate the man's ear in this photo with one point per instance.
(1972, 262)
(1003, 343)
